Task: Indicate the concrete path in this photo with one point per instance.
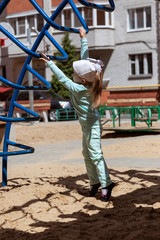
(70, 153)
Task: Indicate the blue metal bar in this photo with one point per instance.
(6, 154)
(23, 71)
(25, 109)
(78, 16)
(11, 109)
(27, 149)
(65, 56)
(18, 43)
(61, 6)
(10, 119)
(32, 52)
(20, 87)
(48, 85)
(24, 119)
(3, 5)
(97, 6)
(28, 51)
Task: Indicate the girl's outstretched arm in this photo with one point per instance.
(63, 79)
(84, 44)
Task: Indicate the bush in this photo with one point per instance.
(66, 67)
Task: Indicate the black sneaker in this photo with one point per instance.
(105, 198)
(94, 190)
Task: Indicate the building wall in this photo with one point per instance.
(18, 6)
(131, 43)
(158, 36)
(145, 97)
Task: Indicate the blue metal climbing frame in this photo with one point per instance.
(26, 68)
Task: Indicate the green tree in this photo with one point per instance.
(66, 67)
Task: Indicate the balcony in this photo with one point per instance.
(98, 38)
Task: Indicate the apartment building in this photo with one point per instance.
(126, 40)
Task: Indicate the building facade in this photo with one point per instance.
(126, 40)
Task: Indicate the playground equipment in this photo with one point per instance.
(27, 68)
(135, 114)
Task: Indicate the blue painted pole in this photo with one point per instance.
(97, 6)
(3, 5)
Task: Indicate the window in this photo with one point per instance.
(92, 17)
(140, 64)
(13, 24)
(139, 18)
(20, 24)
(67, 18)
(58, 19)
(39, 22)
(3, 71)
(76, 20)
(88, 17)
(100, 17)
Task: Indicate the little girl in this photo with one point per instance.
(85, 94)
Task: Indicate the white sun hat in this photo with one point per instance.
(86, 69)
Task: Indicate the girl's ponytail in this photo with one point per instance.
(97, 88)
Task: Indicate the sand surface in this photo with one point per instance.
(50, 201)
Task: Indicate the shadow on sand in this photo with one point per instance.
(131, 217)
(127, 134)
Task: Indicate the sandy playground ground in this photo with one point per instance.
(46, 201)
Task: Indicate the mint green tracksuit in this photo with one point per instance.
(89, 121)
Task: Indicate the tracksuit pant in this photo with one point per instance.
(93, 156)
